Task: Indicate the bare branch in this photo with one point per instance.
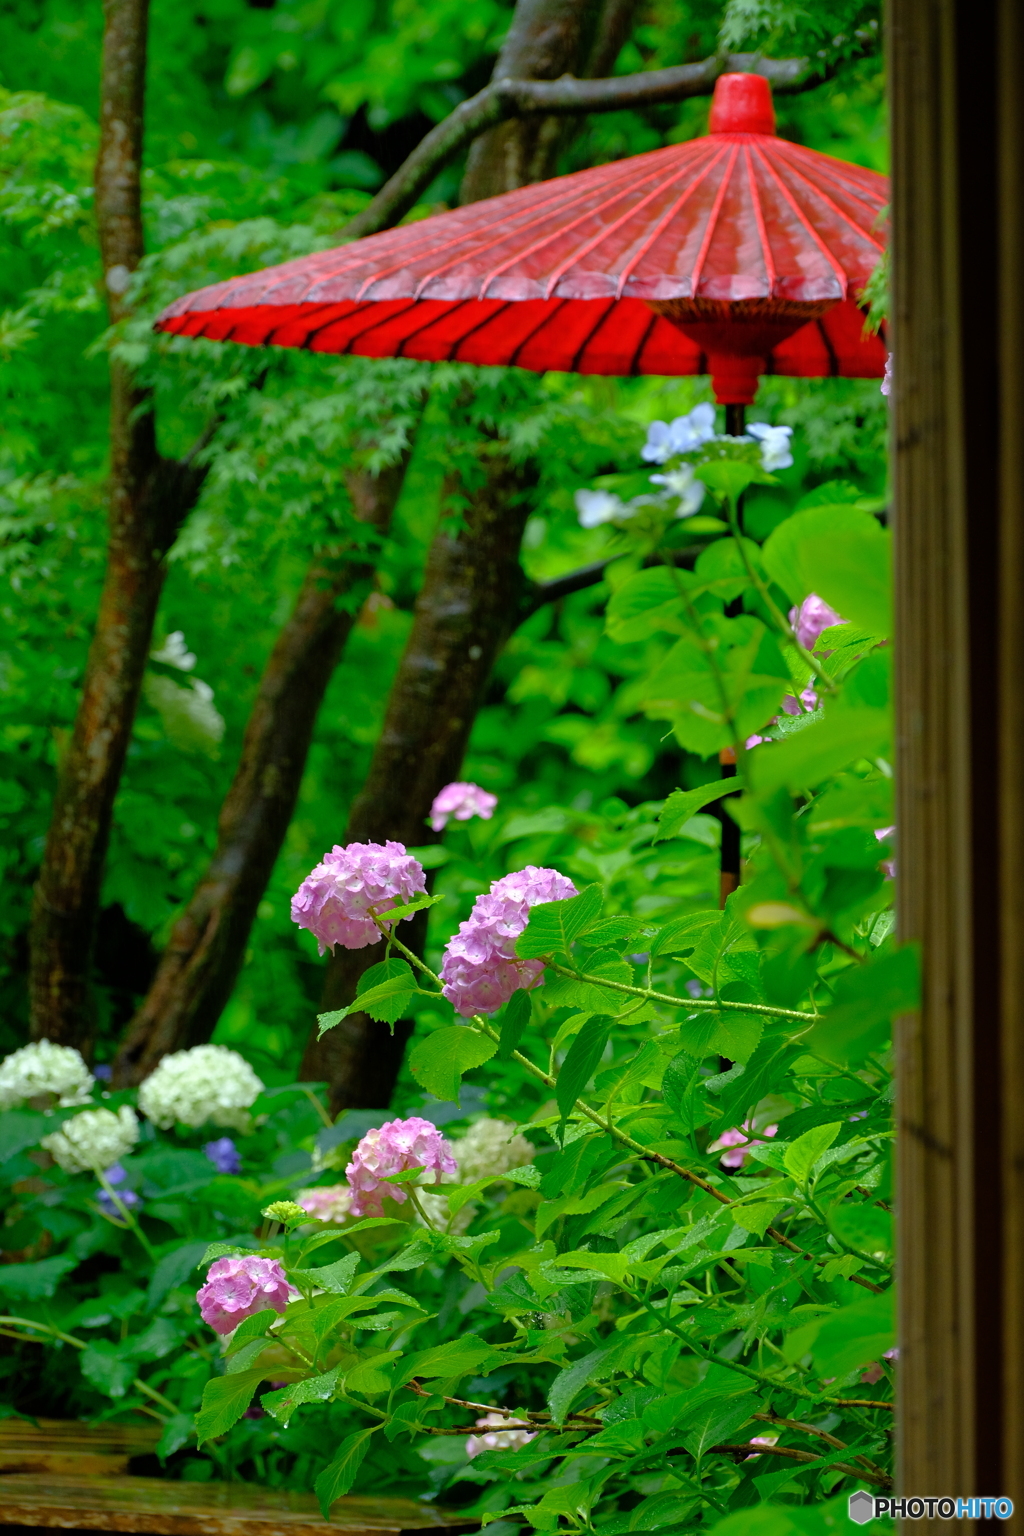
(504, 99)
(539, 593)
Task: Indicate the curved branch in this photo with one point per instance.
(504, 99)
(538, 594)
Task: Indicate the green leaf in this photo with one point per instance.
(513, 1019)
(439, 1060)
(254, 1327)
(109, 1370)
(225, 1399)
(758, 1216)
(21, 1128)
(731, 477)
(867, 999)
(855, 1335)
(335, 1278)
(396, 914)
(685, 933)
(802, 1154)
(647, 602)
(840, 553)
(570, 1382)
(716, 1418)
(459, 1357)
(581, 1062)
(808, 758)
(336, 1480)
(315, 1389)
(384, 997)
(242, 1359)
(554, 925)
(865, 1228)
(177, 1432)
(33, 1282)
(684, 803)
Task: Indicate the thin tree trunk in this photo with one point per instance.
(468, 604)
(547, 38)
(148, 497)
(200, 965)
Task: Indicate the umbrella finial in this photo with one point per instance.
(742, 104)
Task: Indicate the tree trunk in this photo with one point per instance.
(148, 498)
(547, 38)
(471, 594)
(468, 604)
(207, 945)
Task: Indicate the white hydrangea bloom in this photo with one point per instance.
(207, 1083)
(490, 1147)
(93, 1141)
(776, 451)
(666, 439)
(596, 507)
(502, 1433)
(44, 1067)
(683, 483)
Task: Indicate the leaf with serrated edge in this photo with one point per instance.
(336, 1480)
(554, 925)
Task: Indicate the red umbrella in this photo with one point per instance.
(735, 254)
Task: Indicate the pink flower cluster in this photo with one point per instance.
(335, 897)
(239, 1288)
(808, 621)
(480, 970)
(327, 1202)
(739, 1142)
(400, 1144)
(462, 801)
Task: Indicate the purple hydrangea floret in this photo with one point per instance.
(462, 801)
(808, 621)
(480, 970)
(335, 897)
(223, 1154)
(127, 1197)
(239, 1288)
(394, 1147)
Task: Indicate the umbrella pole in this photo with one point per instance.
(729, 863)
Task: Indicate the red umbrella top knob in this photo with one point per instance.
(742, 104)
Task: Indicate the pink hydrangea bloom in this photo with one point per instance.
(889, 865)
(327, 1202)
(886, 384)
(503, 1434)
(400, 1144)
(738, 1143)
(333, 900)
(461, 801)
(807, 703)
(480, 970)
(813, 615)
(239, 1288)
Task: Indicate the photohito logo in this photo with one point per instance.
(864, 1507)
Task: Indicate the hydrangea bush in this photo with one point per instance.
(657, 1290)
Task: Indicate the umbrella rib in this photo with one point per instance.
(852, 188)
(817, 192)
(540, 212)
(585, 343)
(610, 229)
(513, 361)
(762, 231)
(638, 352)
(837, 268)
(833, 358)
(563, 229)
(709, 228)
(645, 247)
(375, 321)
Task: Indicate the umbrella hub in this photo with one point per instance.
(742, 104)
(738, 335)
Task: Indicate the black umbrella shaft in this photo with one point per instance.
(729, 864)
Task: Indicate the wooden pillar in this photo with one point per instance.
(957, 73)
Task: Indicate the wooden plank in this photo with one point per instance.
(66, 1447)
(958, 346)
(151, 1507)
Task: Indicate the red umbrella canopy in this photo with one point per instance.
(736, 254)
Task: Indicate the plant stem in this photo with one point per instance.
(126, 1215)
